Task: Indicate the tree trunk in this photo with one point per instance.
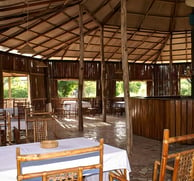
(81, 70)
(129, 129)
(103, 71)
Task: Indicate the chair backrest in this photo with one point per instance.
(37, 125)
(71, 174)
(182, 160)
(19, 106)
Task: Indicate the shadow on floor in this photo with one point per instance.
(145, 150)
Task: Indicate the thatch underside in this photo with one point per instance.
(51, 28)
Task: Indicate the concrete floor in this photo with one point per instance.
(145, 151)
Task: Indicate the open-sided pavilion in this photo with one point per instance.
(105, 41)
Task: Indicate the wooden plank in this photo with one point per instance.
(178, 117)
(172, 113)
(183, 117)
(190, 109)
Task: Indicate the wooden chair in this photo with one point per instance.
(179, 164)
(37, 126)
(70, 110)
(118, 175)
(71, 174)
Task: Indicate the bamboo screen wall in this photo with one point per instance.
(25, 65)
(70, 70)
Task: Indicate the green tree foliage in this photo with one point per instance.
(137, 88)
(70, 88)
(6, 87)
(119, 89)
(67, 88)
(185, 87)
(89, 89)
(19, 87)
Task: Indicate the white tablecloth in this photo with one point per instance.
(11, 110)
(119, 104)
(74, 104)
(114, 158)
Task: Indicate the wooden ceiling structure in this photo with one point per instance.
(158, 31)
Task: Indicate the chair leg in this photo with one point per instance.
(155, 171)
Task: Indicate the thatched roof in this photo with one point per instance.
(51, 27)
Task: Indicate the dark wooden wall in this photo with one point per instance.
(150, 116)
(25, 65)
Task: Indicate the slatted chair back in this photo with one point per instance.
(70, 174)
(181, 162)
(18, 106)
(37, 126)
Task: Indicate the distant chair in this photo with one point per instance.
(37, 126)
(70, 109)
(23, 111)
(70, 174)
(179, 164)
(19, 106)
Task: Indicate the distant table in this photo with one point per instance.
(11, 110)
(120, 104)
(114, 158)
(119, 107)
(74, 104)
(71, 107)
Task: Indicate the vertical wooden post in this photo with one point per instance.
(9, 87)
(103, 74)
(129, 129)
(81, 69)
(170, 69)
(192, 52)
(1, 84)
(9, 127)
(48, 89)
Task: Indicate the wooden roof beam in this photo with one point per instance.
(64, 47)
(61, 41)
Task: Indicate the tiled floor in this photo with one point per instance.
(145, 151)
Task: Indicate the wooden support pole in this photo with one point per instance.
(9, 87)
(129, 129)
(103, 72)
(192, 53)
(170, 69)
(1, 84)
(81, 70)
(48, 89)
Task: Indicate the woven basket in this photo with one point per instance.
(49, 144)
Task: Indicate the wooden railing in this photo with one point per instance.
(150, 116)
